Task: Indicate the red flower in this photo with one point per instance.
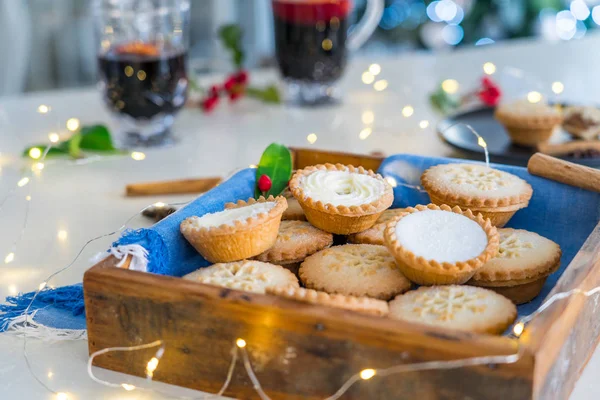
(490, 94)
(264, 183)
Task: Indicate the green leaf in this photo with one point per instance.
(276, 163)
(231, 37)
(270, 94)
(443, 102)
(96, 138)
(74, 145)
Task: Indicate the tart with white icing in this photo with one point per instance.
(496, 194)
(521, 267)
(440, 245)
(341, 199)
(242, 230)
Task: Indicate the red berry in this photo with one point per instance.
(230, 83)
(264, 183)
(241, 77)
(214, 91)
(490, 96)
(210, 103)
(235, 94)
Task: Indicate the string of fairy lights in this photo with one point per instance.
(240, 345)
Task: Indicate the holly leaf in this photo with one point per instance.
(231, 37)
(270, 94)
(443, 102)
(96, 138)
(276, 163)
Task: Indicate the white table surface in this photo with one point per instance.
(86, 200)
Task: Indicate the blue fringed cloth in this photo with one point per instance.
(559, 212)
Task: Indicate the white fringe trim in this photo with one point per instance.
(139, 256)
(27, 327)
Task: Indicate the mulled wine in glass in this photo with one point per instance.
(312, 45)
(142, 65)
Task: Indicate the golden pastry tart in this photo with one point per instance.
(528, 123)
(495, 194)
(464, 308)
(440, 245)
(247, 275)
(519, 271)
(374, 235)
(341, 199)
(242, 230)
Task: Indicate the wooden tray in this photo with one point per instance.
(303, 351)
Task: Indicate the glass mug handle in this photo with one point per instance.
(367, 25)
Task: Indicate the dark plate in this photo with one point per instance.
(498, 143)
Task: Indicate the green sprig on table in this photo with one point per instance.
(92, 138)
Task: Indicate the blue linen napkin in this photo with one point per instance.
(559, 212)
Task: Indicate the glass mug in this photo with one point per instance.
(312, 44)
(142, 57)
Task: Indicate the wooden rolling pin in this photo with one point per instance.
(182, 186)
(564, 172)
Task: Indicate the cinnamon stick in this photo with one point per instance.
(556, 149)
(565, 172)
(182, 186)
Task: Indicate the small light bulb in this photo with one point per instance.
(42, 286)
(450, 86)
(10, 257)
(72, 124)
(311, 138)
(159, 204)
(53, 136)
(28, 198)
(408, 111)
(534, 97)
(558, 87)
(365, 133)
(391, 181)
(489, 68)
(12, 289)
(481, 142)
(518, 329)
(368, 78)
(375, 69)
(380, 85)
(62, 396)
(35, 153)
(50, 374)
(24, 181)
(151, 366)
(128, 387)
(423, 124)
(62, 235)
(241, 343)
(367, 373)
(368, 117)
(43, 109)
(138, 155)
(37, 167)
(252, 166)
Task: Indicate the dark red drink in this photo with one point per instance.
(143, 82)
(310, 38)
